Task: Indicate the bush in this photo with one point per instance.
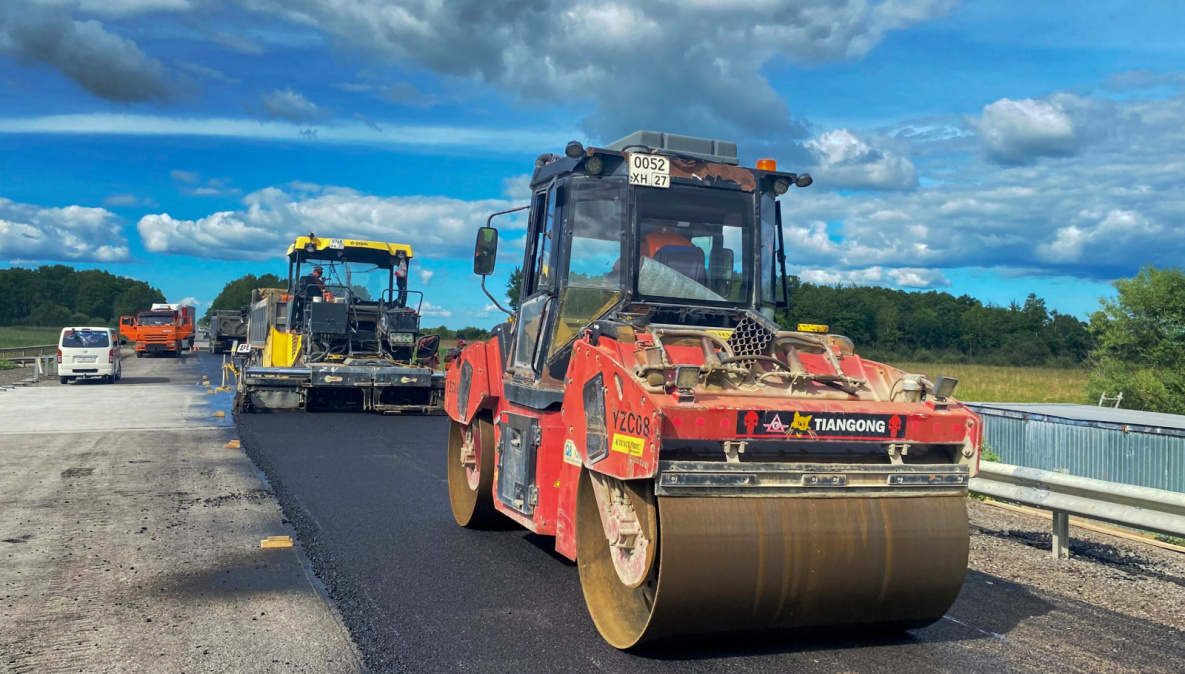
(988, 453)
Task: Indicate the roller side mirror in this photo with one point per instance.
(485, 253)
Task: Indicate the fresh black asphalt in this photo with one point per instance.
(369, 502)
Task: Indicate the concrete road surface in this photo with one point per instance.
(367, 495)
(129, 537)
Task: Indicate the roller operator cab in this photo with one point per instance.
(343, 334)
(708, 470)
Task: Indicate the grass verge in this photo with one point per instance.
(985, 383)
(12, 337)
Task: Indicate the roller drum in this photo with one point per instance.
(761, 563)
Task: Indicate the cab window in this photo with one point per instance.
(544, 272)
(84, 339)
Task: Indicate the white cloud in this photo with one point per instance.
(1018, 132)
(919, 278)
(434, 226)
(439, 137)
(291, 105)
(191, 301)
(1117, 231)
(429, 309)
(903, 278)
(426, 277)
(843, 161)
(830, 277)
(70, 234)
(517, 187)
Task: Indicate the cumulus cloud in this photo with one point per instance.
(426, 277)
(517, 187)
(903, 278)
(429, 309)
(272, 217)
(1114, 207)
(191, 301)
(1116, 231)
(70, 234)
(107, 65)
(290, 105)
(919, 278)
(1018, 132)
(678, 65)
(843, 161)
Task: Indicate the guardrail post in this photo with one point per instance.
(1061, 535)
(36, 369)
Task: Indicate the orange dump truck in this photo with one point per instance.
(164, 329)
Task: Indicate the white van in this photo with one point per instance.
(89, 352)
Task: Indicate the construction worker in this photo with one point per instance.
(311, 280)
(453, 354)
(660, 238)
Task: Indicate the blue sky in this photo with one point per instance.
(984, 148)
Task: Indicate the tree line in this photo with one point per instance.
(57, 295)
(1135, 343)
(895, 325)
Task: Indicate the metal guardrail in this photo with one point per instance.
(26, 351)
(1155, 510)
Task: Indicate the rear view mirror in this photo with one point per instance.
(485, 253)
(427, 346)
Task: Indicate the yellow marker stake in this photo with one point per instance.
(220, 414)
(276, 542)
(233, 444)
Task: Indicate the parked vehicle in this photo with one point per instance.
(89, 353)
(226, 328)
(164, 329)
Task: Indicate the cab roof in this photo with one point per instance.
(378, 253)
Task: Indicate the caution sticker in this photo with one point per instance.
(628, 444)
(570, 454)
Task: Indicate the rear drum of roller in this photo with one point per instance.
(760, 563)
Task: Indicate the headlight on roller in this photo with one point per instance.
(686, 376)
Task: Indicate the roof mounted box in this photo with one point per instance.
(720, 151)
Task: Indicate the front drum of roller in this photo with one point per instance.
(760, 563)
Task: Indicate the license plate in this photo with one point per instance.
(401, 338)
(84, 359)
(650, 170)
(336, 244)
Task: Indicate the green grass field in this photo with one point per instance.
(984, 383)
(12, 337)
